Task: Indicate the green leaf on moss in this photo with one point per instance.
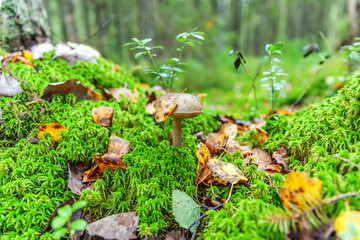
(185, 209)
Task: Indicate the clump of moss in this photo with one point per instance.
(326, 128)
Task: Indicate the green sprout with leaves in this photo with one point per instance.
(62, 223)
(274, 76)
(167, 72)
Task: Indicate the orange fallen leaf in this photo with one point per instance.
(273, 168)
(164, 108)
(230, 131)
(118, 147)
(281, 112)
(92, 174)
(103, 115)
(70, 86)
(300, 191)
(203, 155)
(40, 101)
(53, 128)
(23, 57)
(116, 68)
(261, 136)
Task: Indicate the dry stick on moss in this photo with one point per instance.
(345, 160)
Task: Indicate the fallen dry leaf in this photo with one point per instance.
(23, 57)
(281, 112)
(149, 106)
(224, 172)
(53, 128)
(261, 136)
(119, 226)
(344, 219)
(70, 86)
(230, 131)
(75, 179)
(260, 157)
(164, 108)
(203, 155)
(301, 191)
(118, 147)
(233, 146)
(280, 156)
(39, 101)
(274, 168)
(115, 92)
(103, 115)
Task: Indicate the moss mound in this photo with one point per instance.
(33, 178)
(330, 127)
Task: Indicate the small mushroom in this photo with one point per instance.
(188, 107)
(202, 96)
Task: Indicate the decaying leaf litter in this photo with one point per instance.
(223, 163)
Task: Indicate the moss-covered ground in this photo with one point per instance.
(33, 178)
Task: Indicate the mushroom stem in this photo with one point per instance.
(177, 141)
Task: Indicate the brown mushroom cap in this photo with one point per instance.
(188, 105)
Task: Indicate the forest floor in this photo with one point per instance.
(289, 175)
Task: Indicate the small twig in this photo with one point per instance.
(345, 160)
(231, 189)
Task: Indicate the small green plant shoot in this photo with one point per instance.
(273, 78)
(167, 72)
(62, 224)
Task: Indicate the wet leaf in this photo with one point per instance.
(164, 108)
(23, 57)
(348, 223)
(261, 136)
(274, 168)
(185, 209)
(203, 155)
(53, 128)
(224, 172)
(70, 86)
(119, 226)
(300, 191)
(103, 115)
(216, 142)
(75, 179)
(92, 174)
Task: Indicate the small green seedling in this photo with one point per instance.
(275, 74)
(166, 73)
(62, 224)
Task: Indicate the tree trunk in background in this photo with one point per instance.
(353, 18)
(146, 18)
(236, 21)
(116, 6)
(26, 24)
(69, 29)
(282, 19)
(85, 4)
(99, 8)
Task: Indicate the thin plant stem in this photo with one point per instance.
(254, 87)
(156, 69)
(272, 89)
(345, 160)
(177, 64)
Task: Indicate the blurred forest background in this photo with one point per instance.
(246, 25)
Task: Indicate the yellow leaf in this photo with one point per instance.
(53, 128)
(300, 191)
(203, 155)
(344, 219)
(224, 172)
(261, 136)
(164, 108)
(103, 115)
